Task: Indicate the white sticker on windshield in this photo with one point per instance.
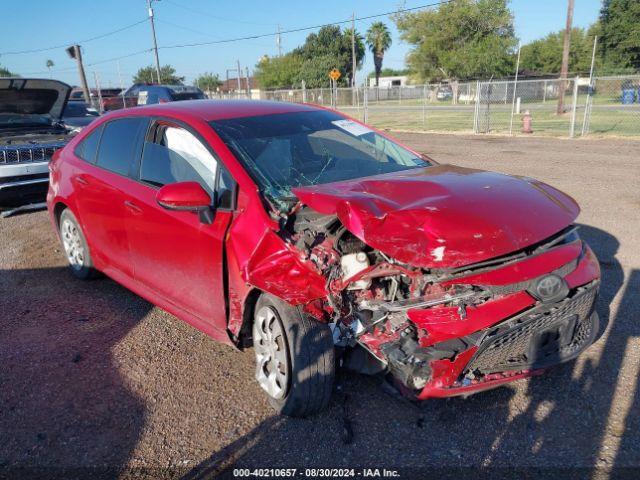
(352, 127)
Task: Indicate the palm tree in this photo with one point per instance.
(49, 65)
(379, 41)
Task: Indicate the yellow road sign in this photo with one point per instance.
(335, 74)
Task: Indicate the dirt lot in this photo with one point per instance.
(93, 376)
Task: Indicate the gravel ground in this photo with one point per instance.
(92, 376)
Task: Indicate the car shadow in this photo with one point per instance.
(577, 416)
(65, 411)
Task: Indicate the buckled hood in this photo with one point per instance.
(28, 96)
(444, 216)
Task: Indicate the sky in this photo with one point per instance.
(55, 23)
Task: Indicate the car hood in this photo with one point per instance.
(33, 97)
(444, 216)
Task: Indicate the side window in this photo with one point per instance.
(87, 148)
(119, 144)
(177, 156)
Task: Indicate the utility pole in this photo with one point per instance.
(155, 43)
(239, 75)
(97, 80)
(564, 71)
(515, 87)
(279, 42)
(353, 49)
(124, 102)
(74, 52)
(587, 110)
(246, 71)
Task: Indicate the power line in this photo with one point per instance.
(206, 14)
(302, 29)
(251, 37)
(64, 45)
(140, 52)
(199, 32)
(189, 29)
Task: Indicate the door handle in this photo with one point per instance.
(132, 206)
(81, 180)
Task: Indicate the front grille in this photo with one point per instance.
(539, 339)
(28, 154)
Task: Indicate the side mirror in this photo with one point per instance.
(185, 196)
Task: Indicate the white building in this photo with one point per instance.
(386, 82)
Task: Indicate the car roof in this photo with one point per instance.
(186, 88)
(209, 110)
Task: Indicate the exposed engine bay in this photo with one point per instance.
(385, 307)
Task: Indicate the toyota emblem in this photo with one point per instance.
(551, 288)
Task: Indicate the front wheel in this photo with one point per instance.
(295, 362)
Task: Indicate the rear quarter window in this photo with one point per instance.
(87, 148)
(120, 144)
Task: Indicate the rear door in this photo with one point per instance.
(174, 253)
(100, 187)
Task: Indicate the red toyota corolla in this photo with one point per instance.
(313, 238)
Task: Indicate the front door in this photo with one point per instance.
(174, 253)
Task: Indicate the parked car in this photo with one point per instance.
(105, 100)
(150, 94)
(78, 115)
(444, 93)
(77, 95)
(30, 132)
(146, 94)
(313, 237)
(129, 98)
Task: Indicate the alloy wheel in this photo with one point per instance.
(72, 243)
(272, 360)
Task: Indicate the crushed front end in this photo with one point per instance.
(450, 331)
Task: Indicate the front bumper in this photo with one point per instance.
(508, 338)
(520, 348)
(23, 183)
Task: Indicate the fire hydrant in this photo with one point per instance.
(527, 122)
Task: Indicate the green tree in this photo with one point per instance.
(167, 74)
(278, 72)
(544, 55)
(379, 41)
(315, 71)
(4, 72)
(462, 39)
(208, 82)
(329, 48)
(311, 62)
(619, 32)
(390, 72)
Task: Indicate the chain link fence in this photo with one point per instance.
(598, 106)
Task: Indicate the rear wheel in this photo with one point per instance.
(295, 362)
(75, 246)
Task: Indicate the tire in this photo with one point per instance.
(74, 245)
(307, 347)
